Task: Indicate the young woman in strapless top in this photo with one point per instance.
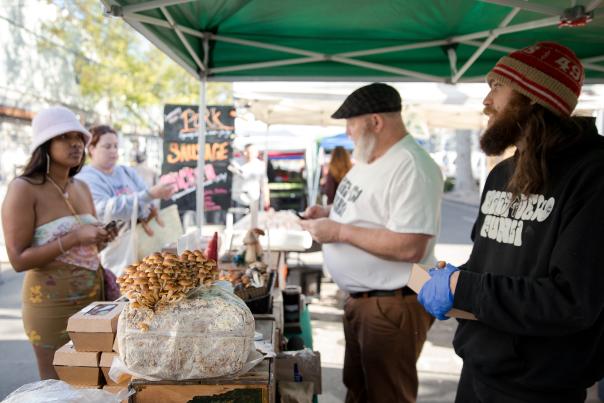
(52, 234)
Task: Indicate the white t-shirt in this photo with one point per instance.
(247, 184)
(401, 191)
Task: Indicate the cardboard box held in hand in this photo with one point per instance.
(417, 279)
(93, 328)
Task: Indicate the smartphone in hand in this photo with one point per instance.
(113, 225)
(301, 215)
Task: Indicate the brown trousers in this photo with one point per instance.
(384, 337)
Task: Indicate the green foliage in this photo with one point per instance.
(117, 66)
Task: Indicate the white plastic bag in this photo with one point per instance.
(52, 390)
(118, 371)
(208, 334)
(122, 251)
(162, 236)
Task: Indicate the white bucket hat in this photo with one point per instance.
(54, 121)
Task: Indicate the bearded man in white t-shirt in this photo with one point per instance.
(385, 217)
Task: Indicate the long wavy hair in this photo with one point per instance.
(339, 164)
(543, 135)
(35, 170)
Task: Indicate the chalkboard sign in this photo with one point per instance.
(181, 125)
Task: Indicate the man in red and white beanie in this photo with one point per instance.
(547, 73)
(534, 280)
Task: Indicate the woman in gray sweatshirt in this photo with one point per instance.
(116, 186)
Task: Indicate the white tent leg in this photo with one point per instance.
(311, 168)
(266, 145)
(201, 156)
(320, 160)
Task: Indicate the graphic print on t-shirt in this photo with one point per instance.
(122, 190)
(504, 217)
(346, 193)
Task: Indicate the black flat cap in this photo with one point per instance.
(372, 98)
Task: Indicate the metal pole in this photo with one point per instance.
(317, 177)
(483, 47)
(201, 156)
(262, 188)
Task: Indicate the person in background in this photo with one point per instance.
(250, 182)
(52, 234)
(271, 175)
(339, 165)
(385, 216)
(533, 280)
(115, 186)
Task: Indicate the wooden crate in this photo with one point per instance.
(181, 392)
(252, 387)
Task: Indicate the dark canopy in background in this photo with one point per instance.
(357, 40)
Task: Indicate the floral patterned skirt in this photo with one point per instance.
(51, 296)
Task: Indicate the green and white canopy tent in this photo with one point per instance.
(447, 41)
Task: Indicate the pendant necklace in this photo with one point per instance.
(59, 188)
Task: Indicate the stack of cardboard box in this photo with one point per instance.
(86, 359)
(77, 368)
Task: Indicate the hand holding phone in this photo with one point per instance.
(114, 225)
(111, 230)
(110, 226)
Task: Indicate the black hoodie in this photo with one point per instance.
(535, 280)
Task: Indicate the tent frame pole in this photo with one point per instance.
(593, 5)
(262, 65)
(587, 63)
(594, 59)
(537, 8)
(388, 69)
(201, 144)
(201, 140)
(182, 38)
(484, 46)
(150, 5)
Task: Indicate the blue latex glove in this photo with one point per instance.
(435, 295)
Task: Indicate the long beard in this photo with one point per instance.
(364, 147)
(506, 129)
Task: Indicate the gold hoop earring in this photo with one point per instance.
(47, 164)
